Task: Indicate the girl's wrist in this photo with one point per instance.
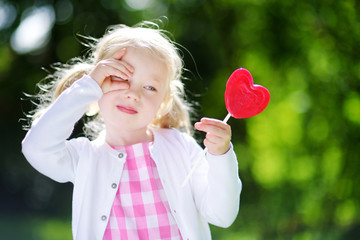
(95, 78)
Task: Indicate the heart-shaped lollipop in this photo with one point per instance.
(243, 98)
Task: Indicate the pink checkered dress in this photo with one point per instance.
(140, 209)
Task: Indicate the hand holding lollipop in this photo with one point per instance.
(243, 99)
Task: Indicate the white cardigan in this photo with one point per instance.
(211, 196)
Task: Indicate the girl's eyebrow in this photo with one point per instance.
(155, 79)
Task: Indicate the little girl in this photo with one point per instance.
(127, 182)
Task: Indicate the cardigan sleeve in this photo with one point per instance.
(216, 187)
(45, 145)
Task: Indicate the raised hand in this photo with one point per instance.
(218, 135)
(112, 71)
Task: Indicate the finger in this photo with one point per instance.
(209, 144)
(108, 68)
(129, 68)
(115, 71)
(109, 85)
(221, 131)
(215, 122)
(119, 54)
(119, 85)
(215, 148)
(106, 84)
(104, 75)
(118, 69)
(214, 139)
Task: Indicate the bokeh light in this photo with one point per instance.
(34, 30)
(7, 15)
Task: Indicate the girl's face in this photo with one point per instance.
(134, 108)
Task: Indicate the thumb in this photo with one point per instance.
(106, 84)
(119, 54)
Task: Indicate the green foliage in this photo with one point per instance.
(35, 228)
(298, 160)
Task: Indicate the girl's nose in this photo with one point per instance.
(132, 93)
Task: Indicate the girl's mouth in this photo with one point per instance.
(127, 109)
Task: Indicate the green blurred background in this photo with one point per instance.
(298, 160)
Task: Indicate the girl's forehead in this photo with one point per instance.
(145, 62)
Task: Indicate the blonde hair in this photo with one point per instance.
(174, 112)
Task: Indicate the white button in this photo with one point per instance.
(103, 217)
(114, 185)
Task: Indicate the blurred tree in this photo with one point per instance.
(299, 159)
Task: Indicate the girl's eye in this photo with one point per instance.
(150, 88)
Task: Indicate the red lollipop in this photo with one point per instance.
(243, 98)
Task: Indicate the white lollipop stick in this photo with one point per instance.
(203, 153)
